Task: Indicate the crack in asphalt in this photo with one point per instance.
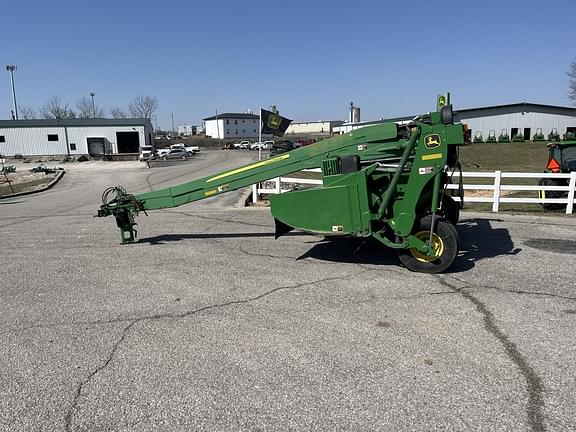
(263, 255)
(148, 317)
(78, 393)
(547, 222)
(535, 386)
(534, 293)
(70, 414)
(512, 291)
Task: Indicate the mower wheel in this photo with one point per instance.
(445, 243)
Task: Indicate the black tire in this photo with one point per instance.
(450, 210)
(184, 158)
(446, 238)
(164, 158)
(551, 194)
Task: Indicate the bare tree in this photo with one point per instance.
(143, 106)
(87, 110)
(118, 113)
(26, 113)
(572, 75)
(54, 108)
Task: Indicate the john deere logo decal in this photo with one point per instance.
(274, 121)
(441, 101)
(432, 141)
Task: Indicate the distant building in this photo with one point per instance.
(522, 118)
(317, 128)
(187, 130)
(93, 137)
(232, 125)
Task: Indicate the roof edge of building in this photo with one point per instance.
(6, 124)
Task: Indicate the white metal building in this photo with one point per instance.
(74, 136)
(523, 118)
(232, 125)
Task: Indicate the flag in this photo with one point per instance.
(273, 123)
(442, 100)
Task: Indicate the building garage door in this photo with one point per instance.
(128, 142)
(96, 146)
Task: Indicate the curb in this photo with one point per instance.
(42, 189)
(244, 198)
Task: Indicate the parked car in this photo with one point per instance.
(163, 151)
(177, 153)
(282, 146)
(265, 145)
(241, 145)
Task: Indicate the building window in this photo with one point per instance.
(2, 138)
(254, 130)
(236, 131)
(72, 147)
(227, 132)
(242, 121)
(243, 130)
(52, 137)
(235, 121)
(227, 121)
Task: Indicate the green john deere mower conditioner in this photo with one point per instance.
(385, 181)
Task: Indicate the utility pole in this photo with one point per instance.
(93, 106)
(173, 131)
(11, 68)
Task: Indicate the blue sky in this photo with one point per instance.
(309, 58)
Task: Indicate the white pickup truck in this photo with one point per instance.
(189, 149)
(146, 152)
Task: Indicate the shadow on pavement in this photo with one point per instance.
(478, 241)
(168, 238)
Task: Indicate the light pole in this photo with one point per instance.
(11, 68)
(93, 106)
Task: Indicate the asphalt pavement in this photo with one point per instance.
(208, 323)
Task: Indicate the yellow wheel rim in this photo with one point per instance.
(437, 247)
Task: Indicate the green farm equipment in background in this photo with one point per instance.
(538, 136)
(385, 181)
(518, 137)
(491, 137)
(561, 159)
(554, 135)
(504, 137)
(478, 138)
(569, 136)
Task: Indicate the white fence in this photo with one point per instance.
(496, 195)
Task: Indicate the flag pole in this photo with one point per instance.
(260, 136)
